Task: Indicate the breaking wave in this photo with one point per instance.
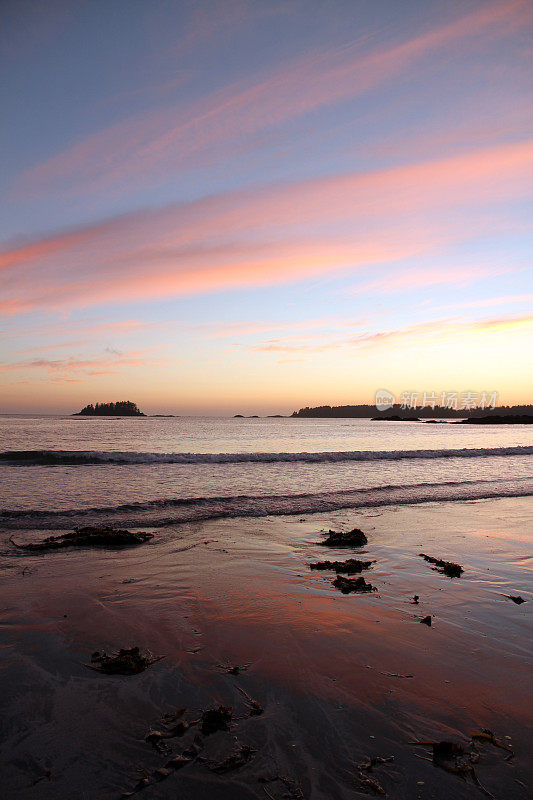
(94, 457)
(170, 511)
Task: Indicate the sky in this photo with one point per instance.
(250, 206)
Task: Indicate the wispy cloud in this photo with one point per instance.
(410, 279)
(88, 329)
(240, 329)
(435, 330)
(501, 300)
(59, 369)
(148, 146)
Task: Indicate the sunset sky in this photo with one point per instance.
(248, 206)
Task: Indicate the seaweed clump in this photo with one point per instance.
(445, 567)
(459, 760)
(347, 585)
(241, 756)
(516, 599)
(354, 538)
(350, 567)
(368, 784)
(216, 719)
(89, 537)
(172, 727)
(125, 662)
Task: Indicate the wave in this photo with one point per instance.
(157, 513)
(95, 457)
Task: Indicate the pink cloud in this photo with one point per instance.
(270, 236)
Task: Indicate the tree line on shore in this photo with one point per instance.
(366, 411)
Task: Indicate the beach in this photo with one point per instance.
(340, 678)
(266, 419)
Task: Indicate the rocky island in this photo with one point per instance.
(124, 408)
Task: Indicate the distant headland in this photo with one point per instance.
(124, 408)
(396, 412)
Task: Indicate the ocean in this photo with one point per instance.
(58, 472)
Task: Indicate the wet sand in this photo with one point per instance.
(330, 670)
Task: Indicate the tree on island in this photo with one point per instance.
(124, 408)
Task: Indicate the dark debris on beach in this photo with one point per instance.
(452, 757)
(459, 759)
(241, 756)
(234, 669)
(172, 727)
(216, 720)
(516, 598)
(124, 662)
(448, 568)
(353, 538)
(104, 536)
(348, 585)
(350, 567)
(366, 783)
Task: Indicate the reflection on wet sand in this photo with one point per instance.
(339, 679)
